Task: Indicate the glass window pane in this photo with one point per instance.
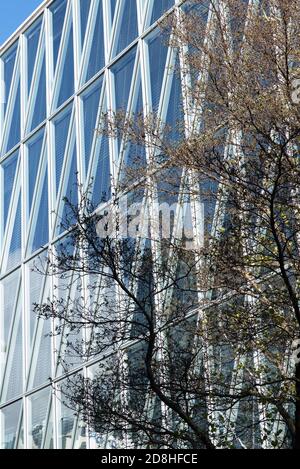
(14, 255)
(34, 157)
(13, 379)
(90, 109)
(159, 8)
(99, 438)
(127, 29)
(39, 113)
(175, 115)
(66, 427)
(39, 405)
(157, 64)
(71, 194)
(20, 442)
(134, 154)
(113, 4)
(9, 63)
(41, 234)
(36, 280)
(102, 183)
(33, 36)
(84, 13)
(61, 134)
(96, 59)
(123, 72)
(14, 122)
(9, 172)
(67, 78)
(8, 298)
(10, 418)
(58, 9)
(41, 355)
(71, 431)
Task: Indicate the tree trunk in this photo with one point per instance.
(297, 412)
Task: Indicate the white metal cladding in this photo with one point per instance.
(72, 60)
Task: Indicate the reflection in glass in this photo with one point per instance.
(9, 168)
(61, 134)
(39, 405)
(41, 355)
(159, 8)
(13, 379)
(97, 58)
(58, 9)
(36, 282)
(67, 82)
(84, 14)
(34, 157)
(9, 63)
(71, 430)
(15, 122)
(10, 418)
(90, 109)
(8, 297)
(127, 29)
(39, 112)
(33, 36)
(14, 254)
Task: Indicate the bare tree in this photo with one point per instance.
(245, 138)
(194, 337)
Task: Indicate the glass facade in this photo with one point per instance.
(74, 60)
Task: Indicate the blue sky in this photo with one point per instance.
(13, 13)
